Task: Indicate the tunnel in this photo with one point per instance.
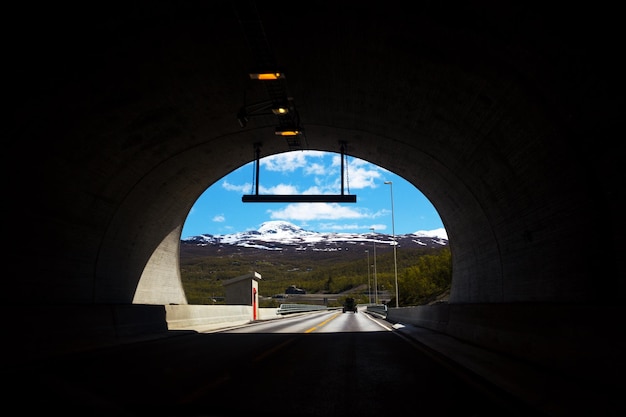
(503, 115)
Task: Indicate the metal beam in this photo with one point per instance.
(300, 198)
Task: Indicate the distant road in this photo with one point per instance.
(324, 299)
(319, 364)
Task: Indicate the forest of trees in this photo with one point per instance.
(423, 274)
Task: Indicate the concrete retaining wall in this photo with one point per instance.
(553, 336)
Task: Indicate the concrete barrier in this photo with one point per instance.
(206, 317)
(379, 310)
(268, 313)
(210, 317)
(292, 308)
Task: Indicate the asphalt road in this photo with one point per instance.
(320, 364)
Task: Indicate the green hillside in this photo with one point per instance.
(423, 274)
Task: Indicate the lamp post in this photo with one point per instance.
(369, 288)
(375, 280)
(393, 231)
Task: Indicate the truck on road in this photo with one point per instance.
(349, 305)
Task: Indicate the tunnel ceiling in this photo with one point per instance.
(124, 116)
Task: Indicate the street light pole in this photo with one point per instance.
(393, 230)
(375, 279)
(369, 288)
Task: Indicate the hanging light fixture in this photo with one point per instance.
(267, 75)
(280, 108)
(287, 131)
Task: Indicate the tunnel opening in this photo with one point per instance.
(370, 250)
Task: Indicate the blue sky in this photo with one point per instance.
(219, 210)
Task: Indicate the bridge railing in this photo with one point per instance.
(377, 309)
(298, 308)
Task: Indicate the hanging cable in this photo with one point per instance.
(303, 198)
(347, 176)
(255, 171)
(344, 158)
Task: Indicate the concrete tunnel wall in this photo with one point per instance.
(124, 120)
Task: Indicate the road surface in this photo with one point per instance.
(326, 363)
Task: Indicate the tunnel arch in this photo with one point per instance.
(418, 168)
(167, 261)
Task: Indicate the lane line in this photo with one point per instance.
(389, 328)
(312, 329)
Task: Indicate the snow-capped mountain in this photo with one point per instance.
(282, 235)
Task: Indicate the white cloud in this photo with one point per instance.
(378, 227)
(363, 177)
(242, 188)
(315, 169)
(286, 189)
(289, 161)
(323, 172)
(340, 227)
(316, 211)
(219, 218)
(358, 174)
(379, 213)
(313, 190)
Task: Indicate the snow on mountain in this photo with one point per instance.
(440, 233)
(277, 234)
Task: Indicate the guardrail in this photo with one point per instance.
(377, 309)
(298, 308)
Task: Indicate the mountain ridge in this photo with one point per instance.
(279, 235)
